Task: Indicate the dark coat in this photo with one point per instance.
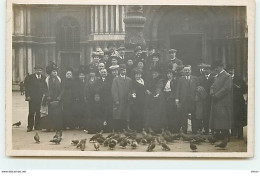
(35, 88)
(186, 91)
(221, 116)
(171, 64)
(121, 89)
(106, 95)
(137, 106)
(171, 108)
(155, 108)
(67, 86)
(203, 100)
(80, 102)
(239, 104)
(96, 115)
(54, 118)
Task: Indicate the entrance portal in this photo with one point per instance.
(189, 47)
(69, 60)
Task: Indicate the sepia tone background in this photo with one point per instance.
(68, 35)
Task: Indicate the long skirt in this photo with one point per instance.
(54, 118)
(155, 113)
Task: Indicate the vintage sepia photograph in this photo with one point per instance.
(130, 80)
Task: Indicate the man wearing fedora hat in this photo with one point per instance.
(35, 88)
(221, 115)
(121, 88)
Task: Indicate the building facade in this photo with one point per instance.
(68, 35)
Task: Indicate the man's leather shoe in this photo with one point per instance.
(29, 129)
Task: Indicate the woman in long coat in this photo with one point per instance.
(155, 108)
(221, 116)
(67, 100)
(92, 92)
(53, 95)
(80, 100)
(137, 101)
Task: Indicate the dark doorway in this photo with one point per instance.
(69, 60)
(189, 48)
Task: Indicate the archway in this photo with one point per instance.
(68, 44)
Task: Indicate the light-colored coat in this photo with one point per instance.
(221, 116)
(121, 89)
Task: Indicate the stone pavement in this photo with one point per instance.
(24, 141)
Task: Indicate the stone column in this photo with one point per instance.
(13, 65)
(101, 29)
(29, 58)
(134, 25)
(112, 28)
(28, 21)
(96, 19)
(106, 16)
(92, 19)
(21, 63)
(122, 19)
(19, 21)
(117, 18)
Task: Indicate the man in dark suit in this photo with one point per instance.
(35, 88)
(105, 92)
(203, 97)
(185, 99)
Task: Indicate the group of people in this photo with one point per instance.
(142, 91)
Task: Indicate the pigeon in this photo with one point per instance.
(165, 146)
(150, 138)
(106, 142)
(37, 138)
(138, 139)
(151, 132)
(212, 140)
(193, 147)
(56, 140)
(112, 144)
(17, 124)
(158, 139)
(82, 144)
(134, 144)
(101, 140)
(151, 146)
(123, 143)
(144, 133)
(97, 135)
(111, 134)
(75, 142)
(185, 137)
(96, 146)
(222, 145)
(144, 141)
(85, 131)
(58, 134)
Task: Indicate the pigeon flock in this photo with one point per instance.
(131, 139)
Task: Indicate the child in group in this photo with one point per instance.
(96, 115)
